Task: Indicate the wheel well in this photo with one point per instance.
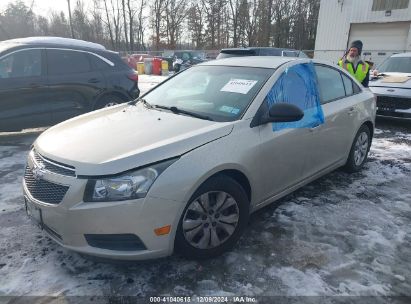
(370, 127)
(117, 94)
(240, 178)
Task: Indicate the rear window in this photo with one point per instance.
(290, 54)
(61, 62)
(98, 63)
(270, 52)
(235, 53)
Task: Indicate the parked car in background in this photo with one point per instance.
(133, 59)
(183, 167)
(260, 51)
(45, 80)
(392, 85)
(180, 60)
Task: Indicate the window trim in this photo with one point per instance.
(338, 98)
(109, 62)
(43, 62)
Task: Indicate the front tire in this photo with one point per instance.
(213, 220)
(359, 150)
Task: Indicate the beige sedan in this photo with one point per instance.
(182, 168)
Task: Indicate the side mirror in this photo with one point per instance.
(284, 112)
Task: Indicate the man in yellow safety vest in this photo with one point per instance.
(352, 62)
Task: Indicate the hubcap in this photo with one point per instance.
(110, 104)
(210, 219)
(361, 148)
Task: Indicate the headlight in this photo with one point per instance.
(125, 186)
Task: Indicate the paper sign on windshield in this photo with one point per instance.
(242, 86)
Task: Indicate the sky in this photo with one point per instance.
(43, 7)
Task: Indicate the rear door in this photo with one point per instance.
(73, 82)
(23, 90)
(332, 140)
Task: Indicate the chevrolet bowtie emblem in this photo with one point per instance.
(38, 172)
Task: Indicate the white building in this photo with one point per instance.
(384, 27)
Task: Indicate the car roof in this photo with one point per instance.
(258, 48)
(402, 55)
(253, 61)
(54, 41)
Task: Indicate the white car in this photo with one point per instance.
(392, 85)
(183, 167)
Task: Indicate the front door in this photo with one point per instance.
(284, 147)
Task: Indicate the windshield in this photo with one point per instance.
(396, 64)
(220, 92)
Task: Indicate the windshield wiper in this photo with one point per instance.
(142, 100)
(176, 110)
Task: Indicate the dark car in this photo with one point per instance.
(182, 59)
(45, 80)
(260, 51)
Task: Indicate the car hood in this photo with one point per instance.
(389, 81)
(124, 137)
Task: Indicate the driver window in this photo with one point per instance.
(21, 64)
(298, 86)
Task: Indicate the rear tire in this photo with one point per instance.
(213, 220)
(108, 101)
(359, 150)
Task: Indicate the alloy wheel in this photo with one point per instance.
(210, 219)
(361, 148)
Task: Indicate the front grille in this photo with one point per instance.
(43, 190)
(391, 103)
(53, 166)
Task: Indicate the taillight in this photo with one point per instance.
(133, 76)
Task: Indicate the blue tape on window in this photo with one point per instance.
(298, 86)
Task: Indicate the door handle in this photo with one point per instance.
(93, 80)
(315, 128)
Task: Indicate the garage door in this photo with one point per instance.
(380, 39)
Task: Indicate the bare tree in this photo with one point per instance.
(176, 12)
(123, 6)
(157, 11)
(195, 22)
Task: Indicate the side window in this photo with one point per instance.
(356, 88)
(298, 86)
(348, 84)
(61, 62)
(25, 63)
(98, 63)
(330, 84)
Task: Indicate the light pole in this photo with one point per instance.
(71, 25)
